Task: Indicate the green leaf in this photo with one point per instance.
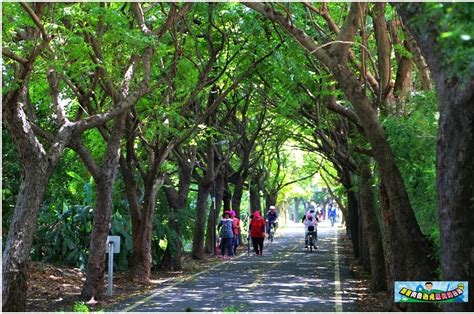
(74, 175)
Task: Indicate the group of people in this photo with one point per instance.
(229, 234)
(323, 213)
(258, 227)
(229, 227)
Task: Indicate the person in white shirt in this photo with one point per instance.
(310, 220)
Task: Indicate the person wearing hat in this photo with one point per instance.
(310, 220)
(227, 234)
(272, 217)
(257, 232)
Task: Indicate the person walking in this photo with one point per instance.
(236, 230)
(227, 235)
(257, 232)
(332, 214)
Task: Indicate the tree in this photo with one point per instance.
(248, 133)
(177, 200)
(446, 49)
(371, 228)
(38, 161)
(334, 56)
(158, 136)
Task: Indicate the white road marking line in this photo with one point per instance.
(337, 278)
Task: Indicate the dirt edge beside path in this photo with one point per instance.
(367, 301)
(54, 288)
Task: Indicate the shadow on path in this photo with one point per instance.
(286, 278)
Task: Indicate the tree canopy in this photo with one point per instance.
(139, 119)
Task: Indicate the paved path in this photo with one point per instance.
(286, 278)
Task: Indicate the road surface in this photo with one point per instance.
(286, 278)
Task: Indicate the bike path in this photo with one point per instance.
(286, 278)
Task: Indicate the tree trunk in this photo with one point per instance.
(353, 220)
(141, 258)
(396, 261)
(372, 230)
(174, 250)
(352, 210)
(420, 62)
(270, 199)
(104, 178)
(177, 200)
(364, 255)
(212, 221)
(227, 197)
(238, 192)
(255, 203)
(35, 177)
(297, 211)
(199, 227)
(393, 249)
(403, 81)
(383, 48)
(133, 196)
(415, 245)
(142, 212)
(36, 170)
(454, 151)
(94, 286)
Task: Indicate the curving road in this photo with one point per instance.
(286, 278)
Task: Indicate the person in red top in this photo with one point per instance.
(257, 232)
(236, 228)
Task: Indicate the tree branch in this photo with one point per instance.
(137, 9)
(36, 19)
(348, 31)
(8, 53)
(58, 107)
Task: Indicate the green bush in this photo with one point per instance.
(80, 307)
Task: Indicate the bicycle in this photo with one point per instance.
(271, 231)
(312, 237)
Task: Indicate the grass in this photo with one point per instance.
(231, 308)
(80, 307)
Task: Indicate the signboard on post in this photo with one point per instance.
(116, 241)
(113, 244)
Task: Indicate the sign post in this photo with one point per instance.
(248, 235)
(113, 243)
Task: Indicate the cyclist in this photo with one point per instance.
(310, 220)
(272, 217)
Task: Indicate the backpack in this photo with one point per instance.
(311, 214)
(227, 226)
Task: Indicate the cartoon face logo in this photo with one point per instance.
(461, 286)
(428, 286)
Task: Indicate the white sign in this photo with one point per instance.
(116, 241)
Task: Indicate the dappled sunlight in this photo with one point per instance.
(287, 277)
